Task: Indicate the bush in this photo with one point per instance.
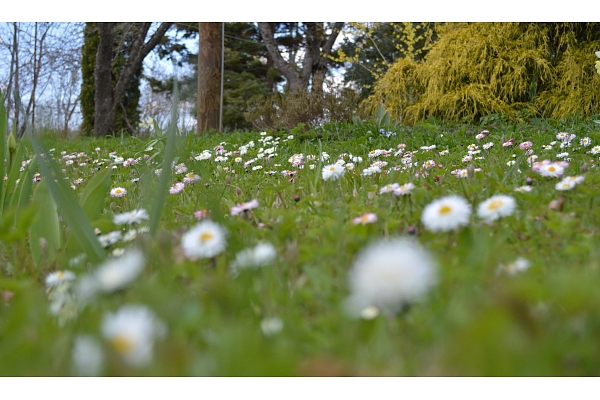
(288, 110)
(479, 69)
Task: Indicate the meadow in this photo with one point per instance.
(355, 249)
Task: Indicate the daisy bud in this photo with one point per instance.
(584, 168)
(296, 198)
(529, 181)
(471, 171)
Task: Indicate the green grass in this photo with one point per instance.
(475, 321)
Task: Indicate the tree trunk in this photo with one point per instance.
(104, 118)
(209, 76)
(290, 74)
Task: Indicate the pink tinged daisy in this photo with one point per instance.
(404, 189)
(496, 207)
(387, 275)
(332, 172)
(205, 240)
(364, 219)
(118, 192)
(446, 214)
(200, 214)
(525, 145)
(131, 217)
(244, 207)
(131, 332)
(585, 142)
(176, 188)
(553, 170)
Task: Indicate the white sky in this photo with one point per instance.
(310, 10)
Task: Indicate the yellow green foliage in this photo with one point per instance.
(478, 69)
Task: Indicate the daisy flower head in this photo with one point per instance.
(190, 178)
(389, 188)
(585, 142)
(332, 172)
(525, 145)
(176, 188)
(254, 257)
(364, 219)
(131, 331)
(524, 189)
(446, 214)
(117, 273)
(131, 217)
(553, 170)
(87, 356)
(496, 207)
(565, 185)
(595, 150)
(482, 134)
(244, 207)
(118, 192)
(57, 277)
(205, 240)
(404, 189)
(519, 265)
(390, 274)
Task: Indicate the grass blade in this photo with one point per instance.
(67, 204)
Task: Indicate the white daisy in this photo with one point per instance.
(271, 326)
(552, 170)
(57, 277)
(389, 188)
(565, 185)
(87, 356)
(332, 172)
(117, 273)
(131, 331)
(388, 275)
(131, 217)
(404, 189)
(254, 257)
(496, 207)
(118, 192)
(519, 265)
(446, 214)
(205, 240)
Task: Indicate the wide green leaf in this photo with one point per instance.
(44, 232)
(94, 194)
(68, 206)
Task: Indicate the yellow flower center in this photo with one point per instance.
(206, 236)
(364, 218)
(445, 209)
(495, 204)
(60, 275)
(122, 344)
(551, 168)
(332, 168)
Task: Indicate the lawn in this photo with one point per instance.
(354, 249)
